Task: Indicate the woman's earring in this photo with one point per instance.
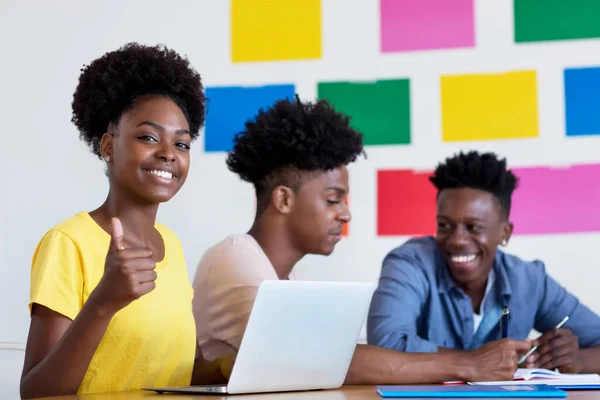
(504, 242)
(106, 158)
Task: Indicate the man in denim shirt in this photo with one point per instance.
(448, 293)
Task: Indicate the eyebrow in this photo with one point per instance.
(162, 128)
(468, 218)
(337, 189)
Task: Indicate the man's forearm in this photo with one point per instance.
(445, 350)
(378, 366)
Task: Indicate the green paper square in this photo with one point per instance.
(543, 20)
(379, 110)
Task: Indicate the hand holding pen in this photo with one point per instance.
(556, 348)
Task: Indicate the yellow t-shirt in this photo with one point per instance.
(149, 343)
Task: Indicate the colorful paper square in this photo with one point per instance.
(406, 203)
(271, 30)
(489, 106)
(542, 20)
(408, 25)
(229, 108)
(380, 110)
(556, 200)
(582, 101)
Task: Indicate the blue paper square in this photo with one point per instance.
(229, 108)
(582, 101)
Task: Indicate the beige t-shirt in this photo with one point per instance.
(225, 285)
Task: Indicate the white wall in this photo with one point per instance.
(49, 175)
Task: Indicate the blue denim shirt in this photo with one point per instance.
(417, 307)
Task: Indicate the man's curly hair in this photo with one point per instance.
(111, 85)
(289, 139)
(477, 171)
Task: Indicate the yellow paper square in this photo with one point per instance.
(489, 106)
(275, 30)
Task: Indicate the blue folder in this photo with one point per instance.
(575, 386)
(441, 391)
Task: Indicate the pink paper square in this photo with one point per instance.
(557, 200)
(408, 25)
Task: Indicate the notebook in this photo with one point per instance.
(488, 391)
(525, 376)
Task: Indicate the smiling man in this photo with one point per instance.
(447, 293)
(295, 155)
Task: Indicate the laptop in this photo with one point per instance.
(301, 335)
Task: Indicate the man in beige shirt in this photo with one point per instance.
(295, 154)
(225, 286)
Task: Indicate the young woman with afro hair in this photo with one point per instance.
(111, 302)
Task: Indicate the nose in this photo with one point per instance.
(459, 236)
(166, 152)
(345, 215)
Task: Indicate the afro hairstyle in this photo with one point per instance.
(477, 171)
(112, 84)
(284, 142)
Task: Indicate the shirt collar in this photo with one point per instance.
(502, 281)
(445, 281)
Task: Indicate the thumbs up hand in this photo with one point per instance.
(128, 273)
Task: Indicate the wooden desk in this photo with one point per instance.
(344, 393)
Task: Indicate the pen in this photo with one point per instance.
(504, 322)
(534, 348)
